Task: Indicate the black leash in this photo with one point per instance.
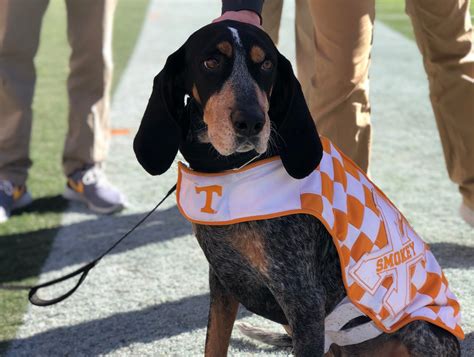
(33, 290)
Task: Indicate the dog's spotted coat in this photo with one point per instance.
(285, 269)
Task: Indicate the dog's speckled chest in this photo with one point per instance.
(259, 260)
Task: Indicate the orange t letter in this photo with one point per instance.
(209, 190)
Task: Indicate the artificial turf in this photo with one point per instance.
(26, 239)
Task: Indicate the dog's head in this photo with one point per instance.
(245, 101)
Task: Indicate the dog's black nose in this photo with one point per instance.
(248, 123)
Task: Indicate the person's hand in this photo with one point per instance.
(246, 16)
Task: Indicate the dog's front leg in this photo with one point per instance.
(305, 314)
(222, 313)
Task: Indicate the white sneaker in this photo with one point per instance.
(90, 186)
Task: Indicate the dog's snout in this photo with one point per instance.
(248, 123)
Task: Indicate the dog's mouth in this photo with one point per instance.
(226, 141)
(246, 144)
(241, 144)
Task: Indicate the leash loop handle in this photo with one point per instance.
(36, 300)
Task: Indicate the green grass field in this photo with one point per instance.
(26, 239)
(392, 13)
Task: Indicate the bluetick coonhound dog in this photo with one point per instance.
(243, 100)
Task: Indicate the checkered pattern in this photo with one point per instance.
(347, 207)
(388, 271)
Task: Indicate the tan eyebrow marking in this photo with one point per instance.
(225, 48)
(257, 54)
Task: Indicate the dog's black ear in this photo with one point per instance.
(157, 140)
(297, 138)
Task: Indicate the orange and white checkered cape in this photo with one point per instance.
(389, 273)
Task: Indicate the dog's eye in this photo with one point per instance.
(267, 65)
(211, 63)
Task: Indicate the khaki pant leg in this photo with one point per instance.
(444, 35)
(271, 18)
(271, 15)
(20, 24)
(90, 36)
(339, 98)
(305, 51)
